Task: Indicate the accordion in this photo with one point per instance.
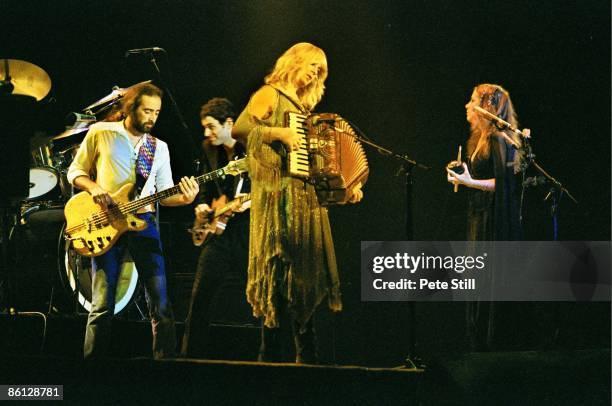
(330, 156)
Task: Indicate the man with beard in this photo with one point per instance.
(223, 258)
(111, 155)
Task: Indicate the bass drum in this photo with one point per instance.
(74, 264)
(44, 184)
(44, 179)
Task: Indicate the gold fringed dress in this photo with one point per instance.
(291, 251)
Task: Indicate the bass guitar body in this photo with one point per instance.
(92, 230)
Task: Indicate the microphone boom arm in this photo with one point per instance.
(503, 124)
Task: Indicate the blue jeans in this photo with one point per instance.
(146, 251)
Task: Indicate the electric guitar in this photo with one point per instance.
(93, 231)
(217, 223)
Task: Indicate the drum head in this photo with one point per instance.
(75, 264)
(42, 181)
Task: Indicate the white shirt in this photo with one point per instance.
(107, 156)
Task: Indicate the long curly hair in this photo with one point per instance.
(287, 67)
(496, 100)
(133, 96)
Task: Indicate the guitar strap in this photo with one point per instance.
(144, 161)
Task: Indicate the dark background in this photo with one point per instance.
(401, 70)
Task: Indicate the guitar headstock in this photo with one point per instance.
(236, 167)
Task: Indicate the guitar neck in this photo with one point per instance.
(236, 202)
(137, 204)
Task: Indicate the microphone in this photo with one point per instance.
(75, 119)
(502, 123)
(144, 51)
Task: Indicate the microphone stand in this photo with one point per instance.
(555, 193)
(557, 190)
(412, 361)
(406, 165)
(177, 110)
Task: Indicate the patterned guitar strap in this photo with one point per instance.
(144, 162)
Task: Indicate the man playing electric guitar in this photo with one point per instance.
(116, 154)
(213, 221)
(224, 256)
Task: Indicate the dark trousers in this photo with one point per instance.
(146, 251)
(223, 262)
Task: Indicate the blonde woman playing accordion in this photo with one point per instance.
(292, 263)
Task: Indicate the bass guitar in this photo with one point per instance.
(93, 231)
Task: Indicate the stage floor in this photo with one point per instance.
(520, 377)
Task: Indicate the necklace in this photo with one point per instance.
(135, 139)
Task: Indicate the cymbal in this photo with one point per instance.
(115, 95)
(27, 78)
(69, 133)
(68, 139)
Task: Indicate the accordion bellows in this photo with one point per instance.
(330, 156)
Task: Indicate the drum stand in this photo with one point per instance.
(18, 120)
(17, 113)
(8, 286)
(7, 275)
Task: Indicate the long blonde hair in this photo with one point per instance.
(496, 100)
(286, 69)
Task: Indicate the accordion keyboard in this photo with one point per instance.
(298, 160)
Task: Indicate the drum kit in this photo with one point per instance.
(41, 226)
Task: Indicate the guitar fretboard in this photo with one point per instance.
(236, 202)
(174, 190)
